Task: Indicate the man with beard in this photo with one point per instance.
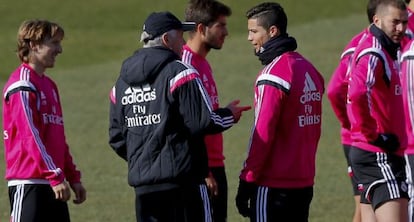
(210, 17)
(337, 91)
(375, 110)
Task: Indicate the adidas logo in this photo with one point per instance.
(310, 92)
(138, 95)
(309, 84)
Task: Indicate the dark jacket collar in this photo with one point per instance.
(390, 46)
(275, 47)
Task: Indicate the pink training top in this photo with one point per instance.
(407, 82)
(287, 126)
(374, 97)
(35, 147)
(214, 143)
(338, 88)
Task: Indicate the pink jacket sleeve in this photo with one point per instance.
(337, 91)
(267, 112)
(363, 77)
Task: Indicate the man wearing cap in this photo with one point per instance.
(159, 114)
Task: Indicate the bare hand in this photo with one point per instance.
(212, 185)
(62, 191)
(237, 110)
(80, 193)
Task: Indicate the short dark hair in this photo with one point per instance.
(205, 11)
(399, 4)
(372, 9)
(269, 14)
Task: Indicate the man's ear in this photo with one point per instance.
(33, 46)
(273, 31)
(376, 20)
(200, 28)
(165, 39)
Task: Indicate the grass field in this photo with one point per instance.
(99, 34)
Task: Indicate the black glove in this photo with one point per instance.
(387, 141)
(245, 192)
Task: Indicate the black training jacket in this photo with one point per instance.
(159, 114)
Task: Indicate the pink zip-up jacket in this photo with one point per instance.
(338, 88)
(407, 82)
(287, 124)
(374, 96)
(35, 147)
(213, 142)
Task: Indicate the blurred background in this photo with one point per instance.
(100, 34)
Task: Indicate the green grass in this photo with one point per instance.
(104, 31)
(99, 34)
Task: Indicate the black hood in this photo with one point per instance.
(146, 64)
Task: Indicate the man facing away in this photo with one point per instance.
(159, 114)
(409, 32)
(407, 83)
